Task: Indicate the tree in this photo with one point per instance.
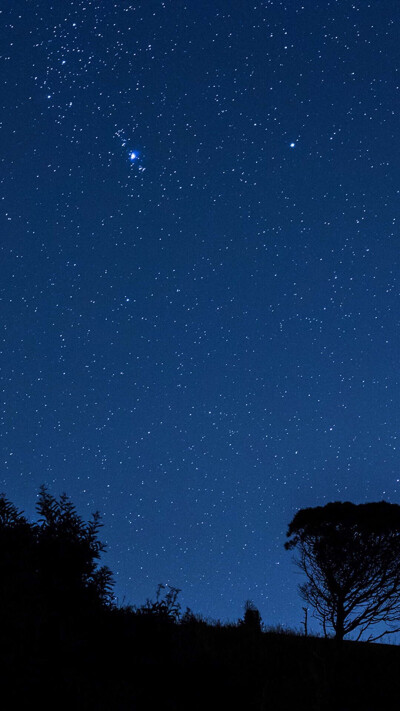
(350, 555)
(17, 567)
(49, 569)
(252, 617)
(68, 551)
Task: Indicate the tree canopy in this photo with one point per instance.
(68, 551)
(350, 555)
(49, 569)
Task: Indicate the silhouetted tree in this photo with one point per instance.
(252, 617)
(351, 556)
(49, 572)
(68, 551)
(17, 568)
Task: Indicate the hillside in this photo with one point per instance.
(120, 660)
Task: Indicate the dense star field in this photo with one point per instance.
(199, 278)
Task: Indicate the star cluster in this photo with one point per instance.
(199, 289)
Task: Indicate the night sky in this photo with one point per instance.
(199, 278)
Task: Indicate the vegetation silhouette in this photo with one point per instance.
(252, 619)
(67, 556)
(350, 555)
(66, 644)
(164, 608)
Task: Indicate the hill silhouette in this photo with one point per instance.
(65, 644)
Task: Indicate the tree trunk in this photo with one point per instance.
(338, 693)
(339, 627)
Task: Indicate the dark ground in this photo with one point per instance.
(123, 661)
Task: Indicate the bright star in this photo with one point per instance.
(292, 145)
(132, 155)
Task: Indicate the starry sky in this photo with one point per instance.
(199, 278)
